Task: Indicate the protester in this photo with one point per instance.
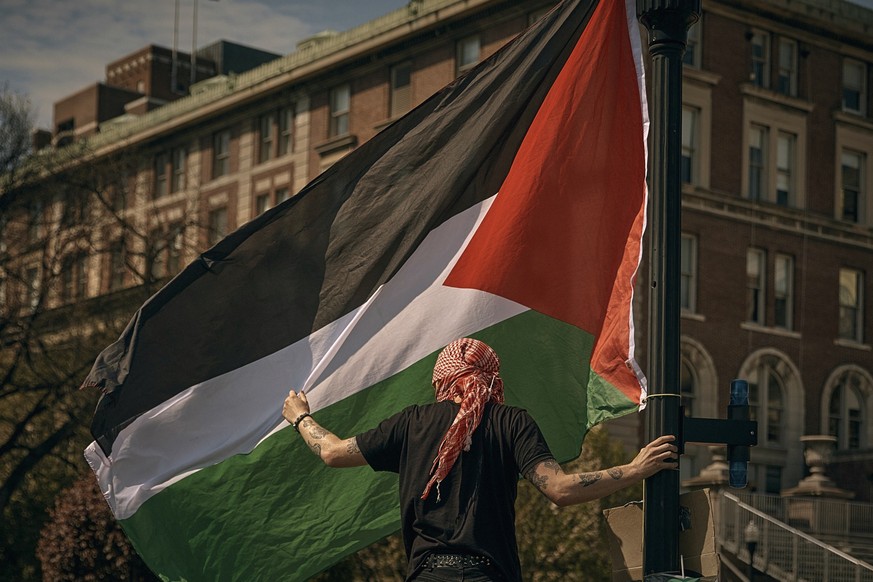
(459, 460)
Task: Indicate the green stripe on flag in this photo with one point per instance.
(268, 515)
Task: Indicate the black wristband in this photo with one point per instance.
(300, 418)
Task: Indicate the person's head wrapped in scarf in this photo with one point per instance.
(467, 370)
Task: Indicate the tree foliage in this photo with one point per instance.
(83, 243)
(82, 542)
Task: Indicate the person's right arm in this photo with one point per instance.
(567, 489)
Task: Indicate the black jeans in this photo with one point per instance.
(479, 573)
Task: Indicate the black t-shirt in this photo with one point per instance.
(476, 511)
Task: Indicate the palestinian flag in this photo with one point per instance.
(508, 207)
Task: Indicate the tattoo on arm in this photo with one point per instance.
(352, 446)
(615, 473)
(587, 479)
(317, 432)
(553, 465)
(539, 481)
(316, 448)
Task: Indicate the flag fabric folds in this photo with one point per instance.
(507, 207)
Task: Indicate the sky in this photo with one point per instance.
(53, 48)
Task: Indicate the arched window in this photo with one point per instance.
(848, 398)
(688, 387)
(776, 401)
(698, 387)
(767, 401)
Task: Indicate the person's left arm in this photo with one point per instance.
(334, 451)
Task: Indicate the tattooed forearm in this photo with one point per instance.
(587, 479)
(352, 446)
(316, 448)
(317, 432)
(539, 481)
(616, 473)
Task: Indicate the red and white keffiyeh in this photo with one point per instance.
(468, 369)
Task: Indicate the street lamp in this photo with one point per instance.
(751, 534)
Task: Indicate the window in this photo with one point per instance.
(174, 248)
(786, 83)
(265, 137)
(73, 278)
(158, 257)
(846, 419)
(161, 186)
(760, 73)
(851, 181)
(117, 266)
(34, 221)
(687, 386)
(468, 53)
(75, 208)
(340, 103)
(767, 402)
(758, 140)
(167, 249)
(775, 143)
(286, 130)
(262, 203)
(773, 479)
(217, 225)
(221, 154)
(756, 280)
(854, 87)
(31, 286)
(178, 179)
(690, 138)
(851, 326)
(266, 200)
(785, 163)
(783, 290)
(401, 89)
(692, 46)
(688, 280)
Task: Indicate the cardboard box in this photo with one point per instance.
(696, 543)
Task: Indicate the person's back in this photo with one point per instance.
(472, 510)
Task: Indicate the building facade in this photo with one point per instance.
(777, 168)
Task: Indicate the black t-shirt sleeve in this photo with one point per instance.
(382, 446)
(530, 445)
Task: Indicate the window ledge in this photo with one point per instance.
(845, 343)
(749, 326)
(334, 144)
(693, 316)
(696, 75)
(855, 119)
(750, 90)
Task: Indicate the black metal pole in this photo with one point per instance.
(667, 22)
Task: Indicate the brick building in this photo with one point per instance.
(777, 212)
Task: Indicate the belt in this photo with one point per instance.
(456, 561)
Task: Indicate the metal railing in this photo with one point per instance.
(821, 517)
(784, 552)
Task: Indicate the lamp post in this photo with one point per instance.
(667, 22)
(751, 534)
